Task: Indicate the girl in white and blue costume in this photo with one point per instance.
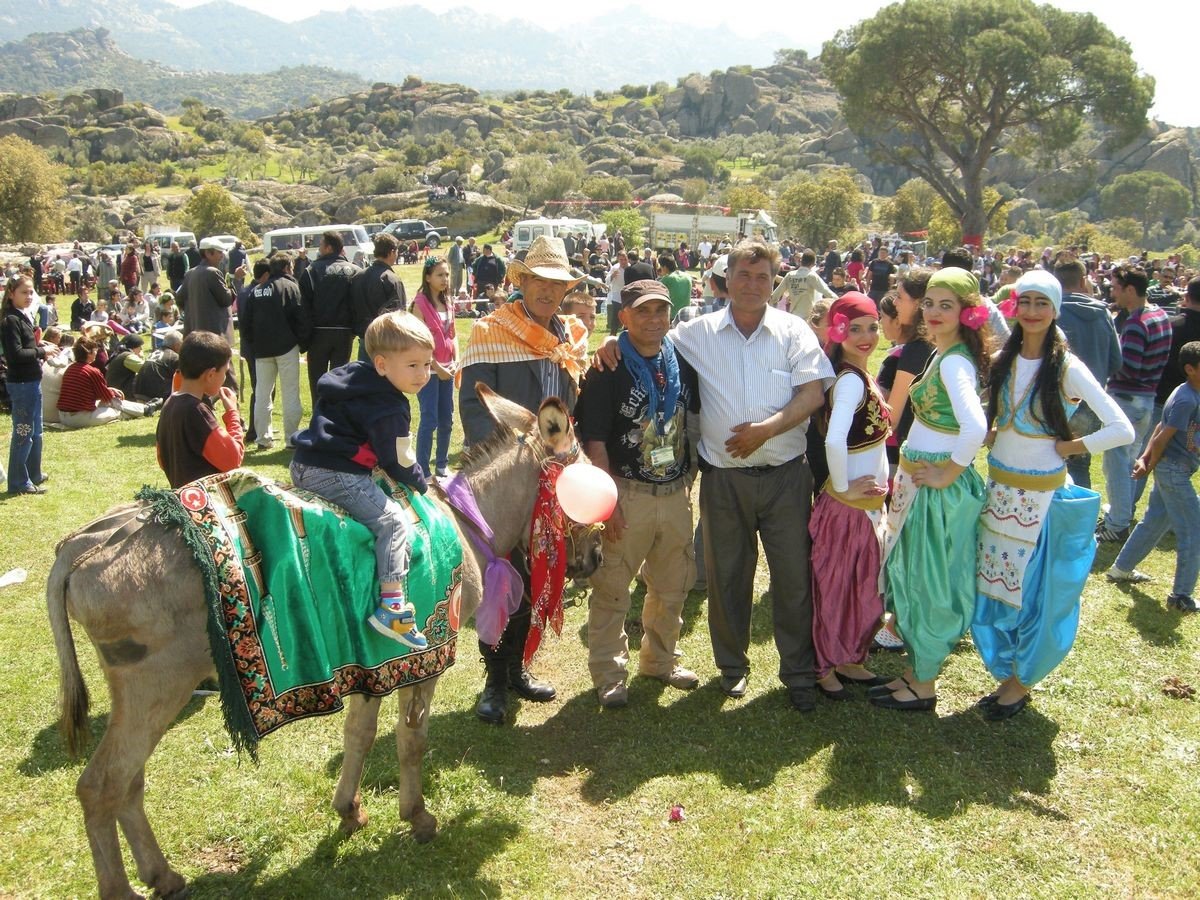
(1036, 541)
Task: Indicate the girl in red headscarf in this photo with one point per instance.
(847, 606)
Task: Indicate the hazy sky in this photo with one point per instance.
(1157, 30)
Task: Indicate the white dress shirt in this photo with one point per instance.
(748, 379)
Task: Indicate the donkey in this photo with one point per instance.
(135, 590)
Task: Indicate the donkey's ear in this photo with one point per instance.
(554, 425)
(505, 413)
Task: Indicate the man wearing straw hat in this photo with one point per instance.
(525, 353)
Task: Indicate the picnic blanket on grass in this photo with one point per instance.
(290, 582)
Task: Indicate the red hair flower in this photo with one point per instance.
(1009, 307)
(839, 328)
(973, 317)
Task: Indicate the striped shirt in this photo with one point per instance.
(83, 386)
(748, 379)
(1145, 348)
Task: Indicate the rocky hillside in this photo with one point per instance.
(90, 58)
(367, 152)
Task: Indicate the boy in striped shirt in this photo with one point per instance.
(1145, 332)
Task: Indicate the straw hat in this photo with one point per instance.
(547, 258)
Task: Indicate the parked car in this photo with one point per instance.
(418, 230)
(373, 228)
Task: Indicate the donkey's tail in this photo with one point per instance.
(73, 692)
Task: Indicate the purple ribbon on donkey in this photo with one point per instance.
(502, 584)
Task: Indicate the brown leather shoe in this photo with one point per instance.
(613, 696)
(679, 678)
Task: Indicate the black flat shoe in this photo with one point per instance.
(840, 694)
(873, 681)
(917, 704)
(998, 712)
(882, 690)
(985, 702)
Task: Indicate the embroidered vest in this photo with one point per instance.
(871, 423)
(1024, 414)
(930, 401)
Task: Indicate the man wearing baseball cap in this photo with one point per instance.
(204, 297)
(632, 421)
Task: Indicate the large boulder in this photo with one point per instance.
(123, 138)
(14, 107)
(52, 136)
(105, 98)
(22, 128)
(436, 119)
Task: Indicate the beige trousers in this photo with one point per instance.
(659, 533)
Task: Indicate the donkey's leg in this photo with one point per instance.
(154, 694)
(362, 719)
(145, 700)
(152, 867)
(411, 733)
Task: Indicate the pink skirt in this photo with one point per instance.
(847, 606)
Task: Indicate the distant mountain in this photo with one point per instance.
(485, 52)
(90, 58)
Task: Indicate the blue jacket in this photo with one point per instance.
(359, 420)
(1091, 334)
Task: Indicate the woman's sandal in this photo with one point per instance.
(998, 712)
(916, 704)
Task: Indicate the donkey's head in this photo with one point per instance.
(506, 467)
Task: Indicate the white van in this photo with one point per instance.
(164, 239)
(359, 248)
(527, 229)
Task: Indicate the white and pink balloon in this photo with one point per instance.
(586, 493)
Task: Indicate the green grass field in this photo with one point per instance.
(1092, 791)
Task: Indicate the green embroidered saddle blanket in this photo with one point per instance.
(290, 581)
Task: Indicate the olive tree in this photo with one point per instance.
(822, 207)
(1147, 198)
(940, 86)
(31, 188)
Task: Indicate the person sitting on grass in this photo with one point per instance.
(362, 420)
(190, 442)
(82, 308)
(1173, 455)
(86, 399)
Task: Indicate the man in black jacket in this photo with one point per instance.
(327, 312)
(378, 289)
(271, 321)
(488, 271)
(261, 274)
(177, 265)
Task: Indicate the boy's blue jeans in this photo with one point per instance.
(366, 502)
(1175, 507)
(1118, 462)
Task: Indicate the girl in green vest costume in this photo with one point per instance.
(928, 577)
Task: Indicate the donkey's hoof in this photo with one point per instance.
(171, 886)
(355, 818)
(424, 827)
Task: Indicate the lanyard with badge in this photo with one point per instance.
(662, 457)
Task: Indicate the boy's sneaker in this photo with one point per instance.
(1120, 576)
(1106, 534)
(1183, 603)
(399, 622)
(266, 443)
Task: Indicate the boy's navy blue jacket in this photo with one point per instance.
(360, 422)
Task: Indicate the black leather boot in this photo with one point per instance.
(493, 702)
(522, 683)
